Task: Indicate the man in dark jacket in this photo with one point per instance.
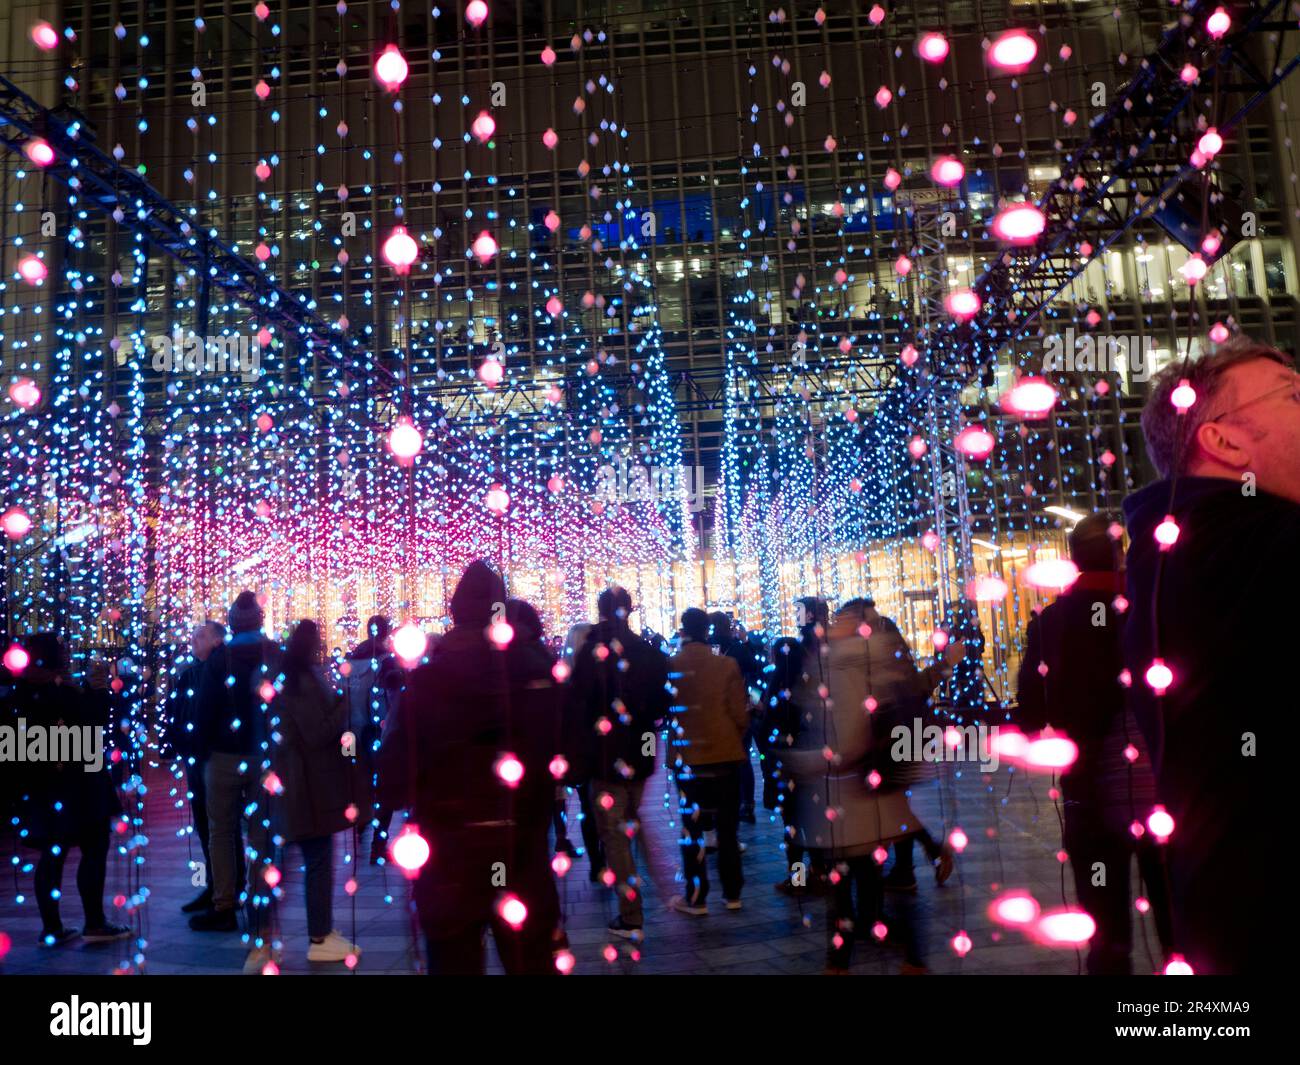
(1070, 680)
(185, 740)
(374, 684)
(1205, 622)
(617, 700)
(730, 641)
(65, 804)
(231, 711)
(444, 758)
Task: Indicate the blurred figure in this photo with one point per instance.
(186, 739)
(711, 714)
(319, 786)
(232, 731)
(729, 639)
(443, 757)
(863, 656)
(1069, 679)
(1231, 465)
(617, 701)
(775, 728)
(591, 845)
(66, 804)
(374, 684)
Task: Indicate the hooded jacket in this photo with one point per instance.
(1212, 608)
(318, 778)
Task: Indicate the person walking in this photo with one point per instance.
(374, 684)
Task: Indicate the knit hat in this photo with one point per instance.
(480, 588)
(245, 614)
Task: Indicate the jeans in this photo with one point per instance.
(846, 918)
(93, 845)
(612, 824)
(318, 857)
(711, 789)
(232, 796)
(199, 811)
(746, 778)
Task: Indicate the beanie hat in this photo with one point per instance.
(245, 613)
(480, 588)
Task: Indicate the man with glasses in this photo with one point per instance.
(1211, 566)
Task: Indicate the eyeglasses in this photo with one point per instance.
(1292, 386)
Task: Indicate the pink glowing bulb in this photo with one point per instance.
(44, 36)
(1065, 927)
(262, 11)
(892, 179)
(555, 484)
(1021, 224)
(561, 864)
(262, 90)
(909, 355)
(409, 643)
(400, 250)
(880, 930)
(1014, 50)
(988, 589)
(548, 56)
(262, 252)
(932, 47)
(272, 876)
(483, 127)
(391, 68)
(1194, 269)
(551, 221)
(509, 768)
(1210, 143)
(266, 691)
(497, 500)
(975, 442)
(1211, 243)
(917, 447)
(404, 439)
(1052, 574)
(1219, 333)
(25, 392)
(558, 766)
(963, 304)
(947, 170)
(610, 953)
(1010, 744)
(1218, 23)
(263, 337)
(476, 13)
(500, 633)
(875, 779)
(876, 15)
(902, 266)
(1167, 532)
(550, 138)
(16, 659)
(16, 523)
(1189, 75)
(554, 307)
(39, 151)
(1032, 397)
(961, 944)
(883, 96)
(1183, 396)
(32, 269)
(939, 638)
(484, 247)
(1161, 824)
(1178, 966)
(930, 540)
(1015, 908)
(958, 840)
(1051, 753)
(410, 851)
(1159, 676)
(491, 372)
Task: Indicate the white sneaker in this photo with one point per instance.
(262, 961)
(332, 948)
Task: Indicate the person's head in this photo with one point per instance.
(1245, 418)
(245, 614)
(1092, 548)
(787, 663)
(811, 612)
(695, 625)
(479, 591)
(525, 621)
(206, 638)
(857, 607)
(719, 629)
(303, 649)
(614, 604)
(378, 629)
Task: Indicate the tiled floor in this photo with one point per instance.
(1011, 823)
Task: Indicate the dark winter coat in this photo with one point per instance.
(1219, 624)
(183, 726)
(617, 696)
(316, 774)
(231, 712)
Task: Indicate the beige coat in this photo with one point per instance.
(710, 706)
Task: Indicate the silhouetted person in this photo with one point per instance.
(374, 685)
(729, 642)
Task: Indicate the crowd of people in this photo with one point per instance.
(476, 747)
